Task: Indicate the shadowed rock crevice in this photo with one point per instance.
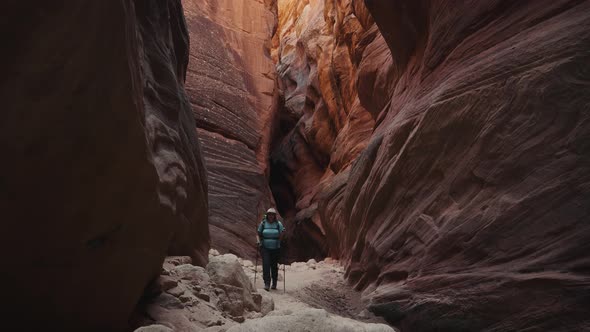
(304, 240)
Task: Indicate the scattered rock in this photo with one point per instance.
(176, 291)
(257, 298)
(165, 283)
(297, 266)
(267, 304)
(196, 274)
(213, 252)
(254, 315)
(203, 296)
(168, 301)
(154, 328)
(235, 300)
(212, 322)
(239, 319)
(186, 298)
(311, 261)
(177, 320)
(364, 314)
(283, 312)
(178, 260)
(216, 329)
(152, 290)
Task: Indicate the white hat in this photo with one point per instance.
(271, 210)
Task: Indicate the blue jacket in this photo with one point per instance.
(270, 233)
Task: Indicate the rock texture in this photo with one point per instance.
(307, 320)
(192, 298)
(231, 84)
(445, 157)
(103, 173)
(326, 50)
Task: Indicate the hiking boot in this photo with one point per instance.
(266, 287)
(274, 286)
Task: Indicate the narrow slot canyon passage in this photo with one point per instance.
(429, 161)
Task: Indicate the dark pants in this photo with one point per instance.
(270, 265)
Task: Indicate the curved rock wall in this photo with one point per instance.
(326, 51)
(467, 208)
(103, 174)
(231, 84)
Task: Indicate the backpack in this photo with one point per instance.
(262, 228)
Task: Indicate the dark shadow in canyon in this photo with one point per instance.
(304, 240)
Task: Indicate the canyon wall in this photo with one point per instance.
(102, 175)
(231, 84)
(445, 157)
(332, 61)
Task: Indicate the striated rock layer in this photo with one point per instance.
(231, 84)
(445, 156)
(103, 172)
(331, 62)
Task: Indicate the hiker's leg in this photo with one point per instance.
(275, 254)
(266, 263)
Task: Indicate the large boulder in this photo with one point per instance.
(104, 174)
(307, 320)
(236, 296)
(226, 269)
(195, 275)
(191, 298)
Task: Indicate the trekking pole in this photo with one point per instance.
(284, 278)
(256, 269)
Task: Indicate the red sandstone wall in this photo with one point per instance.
(467, 207)
(231, 84)
(102, 174)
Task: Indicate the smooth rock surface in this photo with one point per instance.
(101, 173)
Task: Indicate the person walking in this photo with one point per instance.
(269, 235)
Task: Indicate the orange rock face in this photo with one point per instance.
(326, 50)
(445, 156)
(231, 84)
(103, 173)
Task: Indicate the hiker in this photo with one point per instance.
(268, 239)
